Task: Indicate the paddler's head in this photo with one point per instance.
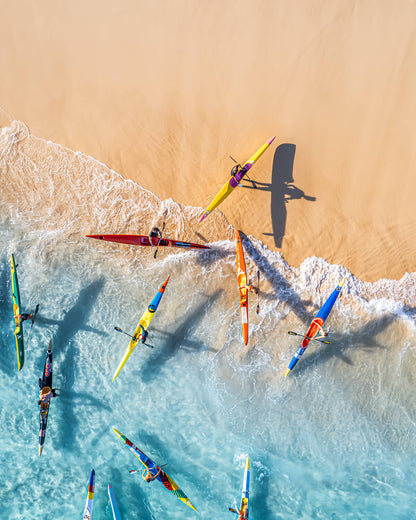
(45, 390)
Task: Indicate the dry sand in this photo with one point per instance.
(164, 91)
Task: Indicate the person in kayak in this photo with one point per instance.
(24, 316)
(148, 477)
(250, 288)
(235, 169)
(155, 233)
(143, 335)
(45, 395)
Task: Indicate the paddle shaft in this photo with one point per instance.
(258, 292)
(132, 337)
(312, 339)
(157, 248)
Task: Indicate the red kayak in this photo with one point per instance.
(144, 240)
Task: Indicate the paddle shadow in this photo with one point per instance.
(64, 344)
(362, 339)
(282, 287)
(179, 339)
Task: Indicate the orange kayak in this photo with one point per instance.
(242, 282)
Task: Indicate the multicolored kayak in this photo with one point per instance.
(90, 497)
(18, 331)
(244, 510)
(316, 326)
(143, 323)
(44, 408)
(242, 285)
(113, 502)
(163, 478)
(235, 180)
(144, 240)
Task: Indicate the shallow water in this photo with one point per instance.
(335, 439)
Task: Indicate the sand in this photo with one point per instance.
(164, 91)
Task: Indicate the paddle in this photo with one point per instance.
(132, 337)
(140, 470)
(236, 512)
(157, 248)
(258, 292)
(30, 331)
(312, 339)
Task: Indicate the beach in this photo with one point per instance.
(164, 92)
(118, 117)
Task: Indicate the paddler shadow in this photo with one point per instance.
(282, 288)
(67, 356)
(180, 338)
(362, 339)
(282, 190)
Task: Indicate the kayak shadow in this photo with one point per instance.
(207, 257)
(180, 338)
(282, 287)
(362, 339)
(283, 189)
(7, 339)
(259, 500)
(67, 359)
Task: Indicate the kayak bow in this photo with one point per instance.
(144, 240)
(235, 180)
(163, 477)
(44, 408)
(113, 502)
(143, 323)
(316, 326)
(245, 493)
(18, 331)
(90, 497)
(242, 282)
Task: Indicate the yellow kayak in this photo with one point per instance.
(142, 326)
(235, 179)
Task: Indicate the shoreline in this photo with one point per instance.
(166, 107)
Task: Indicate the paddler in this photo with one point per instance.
(250, 288)
(143, 335)
(24, 316)
(148, 477)
(155, 233)
(235, 170)
(45, 395)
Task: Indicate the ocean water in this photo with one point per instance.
(335, 439)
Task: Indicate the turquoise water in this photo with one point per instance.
(335, 439)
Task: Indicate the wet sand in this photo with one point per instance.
(164, 92)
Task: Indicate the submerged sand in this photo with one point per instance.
(164, 91)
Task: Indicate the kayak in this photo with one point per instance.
(113, 502)
(316, 326)
(245, 493)
(143, 323)
(90, 497)
(242, 282)
(18, 331)
(44, 409)
(163, 477)
(235, 180)
(144, 240)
